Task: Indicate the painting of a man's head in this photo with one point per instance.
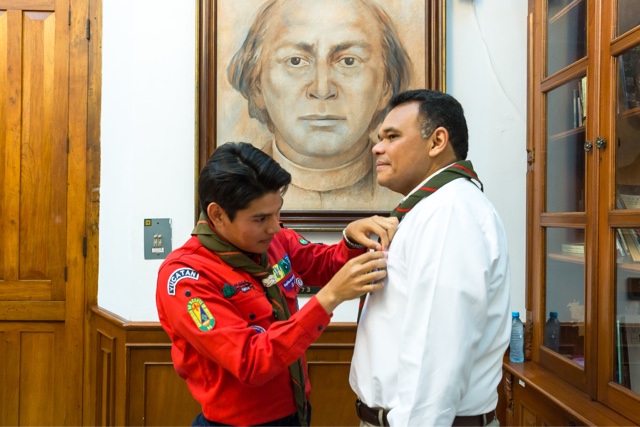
(318, 76)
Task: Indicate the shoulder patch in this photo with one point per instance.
(179, 274)
(201, 315)
(303, 241)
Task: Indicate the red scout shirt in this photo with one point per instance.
(227, 343)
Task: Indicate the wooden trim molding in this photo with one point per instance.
(535, 393)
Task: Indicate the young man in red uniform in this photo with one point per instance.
(228, 297)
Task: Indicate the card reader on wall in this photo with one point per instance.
(157, 238)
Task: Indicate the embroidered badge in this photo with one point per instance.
(201, 314)
(303, 241)
(288, 284)
(230, 290)
(179, 274)
(281, 268)
(259, 329)
(299, 282)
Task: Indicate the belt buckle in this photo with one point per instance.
(381, 422)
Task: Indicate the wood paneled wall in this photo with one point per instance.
(133, 382)
(132, 377)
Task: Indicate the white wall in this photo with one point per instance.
(147, 143)
(148, 132)
(486, 72)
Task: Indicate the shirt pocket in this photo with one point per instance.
(254, 308)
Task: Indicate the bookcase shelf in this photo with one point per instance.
(567, 133)
(631, 267)
(630, 113)
(575, 259)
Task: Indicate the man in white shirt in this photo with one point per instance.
(429, 346)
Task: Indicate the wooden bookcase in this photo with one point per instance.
(583, 238)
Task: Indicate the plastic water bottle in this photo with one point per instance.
(552, 332)
(516, 345)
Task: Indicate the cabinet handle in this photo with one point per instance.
(601, 143)
(588, 146)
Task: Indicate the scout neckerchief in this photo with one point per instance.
(461, 169)
(261, 271)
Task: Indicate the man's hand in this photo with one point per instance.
(360, 231)
(360, 275)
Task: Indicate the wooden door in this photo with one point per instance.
(43, 101)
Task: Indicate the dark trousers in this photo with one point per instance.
(290, 420)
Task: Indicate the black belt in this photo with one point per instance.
(378, 417)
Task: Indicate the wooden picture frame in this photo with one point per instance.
(223, 28)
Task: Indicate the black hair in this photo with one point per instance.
(238, 173)
(438, 109)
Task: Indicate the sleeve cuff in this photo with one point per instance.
(349, 243)
(315, 320)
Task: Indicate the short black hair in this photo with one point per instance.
(236, 174)
(438, 109)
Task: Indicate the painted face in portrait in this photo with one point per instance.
(322, 79)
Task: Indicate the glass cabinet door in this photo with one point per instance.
(620, 307)
(562, 335)
(626, 371)
(565, 192)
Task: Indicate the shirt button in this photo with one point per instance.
(320, 327)
(252, 316)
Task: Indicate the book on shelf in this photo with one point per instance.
(630, 201)
(629, 66)
(574, 249)
(628, 351)
(582, 99)
(632, 238)
(621, 244)
(577, 109)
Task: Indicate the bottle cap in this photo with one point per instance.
(515, 313)
(553, 314)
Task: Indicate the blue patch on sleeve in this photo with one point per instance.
(179, 274)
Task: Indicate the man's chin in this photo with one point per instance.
(321, 148)
(382, 182)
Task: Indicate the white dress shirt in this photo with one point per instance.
(430, 343)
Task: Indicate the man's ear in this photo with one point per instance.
(258, 97)
(216, 214)
(384, 99)
(439, 141)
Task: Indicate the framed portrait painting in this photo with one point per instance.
(307, 82)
